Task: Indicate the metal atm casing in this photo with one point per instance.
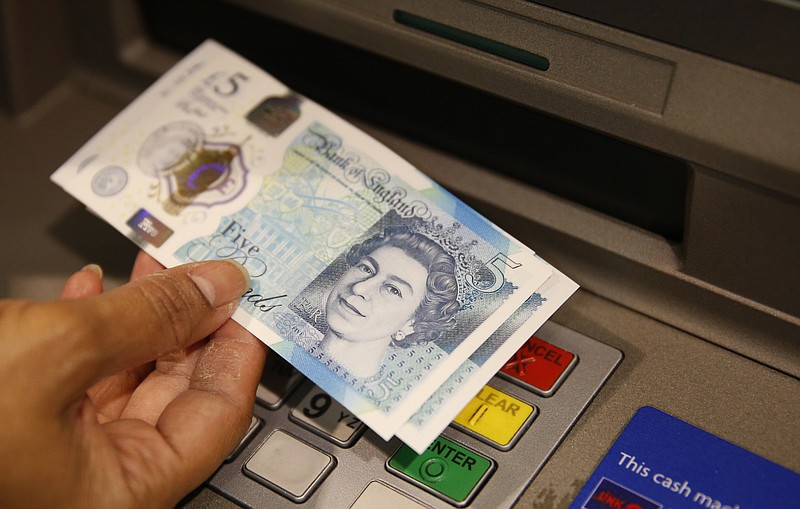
(708, 320)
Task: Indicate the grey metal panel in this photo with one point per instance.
(767, 28)
(577, 60)
(745, 239)
(722, 116)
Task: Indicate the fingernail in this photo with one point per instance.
(221, 281)
(93, 267)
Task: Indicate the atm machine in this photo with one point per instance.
(650, 150)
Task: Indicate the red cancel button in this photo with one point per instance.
(539, 366)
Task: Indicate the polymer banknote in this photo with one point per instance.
(448, 400)
(368, 277)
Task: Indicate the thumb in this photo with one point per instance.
(160, 313)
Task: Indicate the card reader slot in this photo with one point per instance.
(472, 40)
(591, 65)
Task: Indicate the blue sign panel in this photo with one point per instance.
(660, 462)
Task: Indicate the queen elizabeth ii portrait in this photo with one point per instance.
(399, 289)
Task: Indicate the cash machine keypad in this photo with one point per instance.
(305, 450)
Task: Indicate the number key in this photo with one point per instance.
(325, 416)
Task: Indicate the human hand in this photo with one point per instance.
(125, 399)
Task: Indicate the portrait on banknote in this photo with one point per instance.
(394, 290)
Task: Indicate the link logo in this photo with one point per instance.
(610, 495)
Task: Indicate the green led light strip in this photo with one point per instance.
(473, 41)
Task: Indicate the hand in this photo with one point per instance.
(125, 399)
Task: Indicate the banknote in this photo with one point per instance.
(368, 277)
(448, 400)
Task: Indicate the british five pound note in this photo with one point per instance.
(453, 395)
(372, 280)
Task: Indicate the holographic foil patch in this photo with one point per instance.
(146, 228)
(275, 114)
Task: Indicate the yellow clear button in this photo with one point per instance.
(496, 417)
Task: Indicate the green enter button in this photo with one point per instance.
(447, 469)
